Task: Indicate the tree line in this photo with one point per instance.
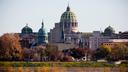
(11, 50)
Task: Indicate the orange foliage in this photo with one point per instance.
(10, 47)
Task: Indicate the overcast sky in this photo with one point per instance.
(92, 15)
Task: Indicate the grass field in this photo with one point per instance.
(59, 64)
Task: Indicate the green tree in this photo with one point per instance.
(102, 52)
(28, 54)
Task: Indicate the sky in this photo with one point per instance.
(92, 15)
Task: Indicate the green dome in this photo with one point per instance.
(42, 32)
(42, 35)
(109, 31)
(26, 30)
(68, 16)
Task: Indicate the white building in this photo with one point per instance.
(98, 39)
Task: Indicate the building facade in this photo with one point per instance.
(97, 39)
(113, 42)
(123, 35)
(65, 31)
(107, 38)
(66, 35)
(30, 39)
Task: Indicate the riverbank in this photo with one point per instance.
(59, 64)
(63, 69)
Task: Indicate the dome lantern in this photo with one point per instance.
(68, 8)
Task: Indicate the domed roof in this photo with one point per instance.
(42, 35)
(42, 31)
(27, 30)
(109, 29)
(68, 16)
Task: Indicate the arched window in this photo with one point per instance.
(73, 24)
(76, 24)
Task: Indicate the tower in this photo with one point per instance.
(42, 35)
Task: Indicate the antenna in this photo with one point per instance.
(42, 23)
(68, 3)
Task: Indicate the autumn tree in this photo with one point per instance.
(80, 52)
(56, 56)
(53, 53)
(119, 52)
(102, 52)
(41, 50)
(28, 54)
(51, 48)
(10, 48)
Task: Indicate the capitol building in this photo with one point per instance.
(65, 31)
(65, 35)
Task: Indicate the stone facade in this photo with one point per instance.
(30, 39)
(66, 31)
